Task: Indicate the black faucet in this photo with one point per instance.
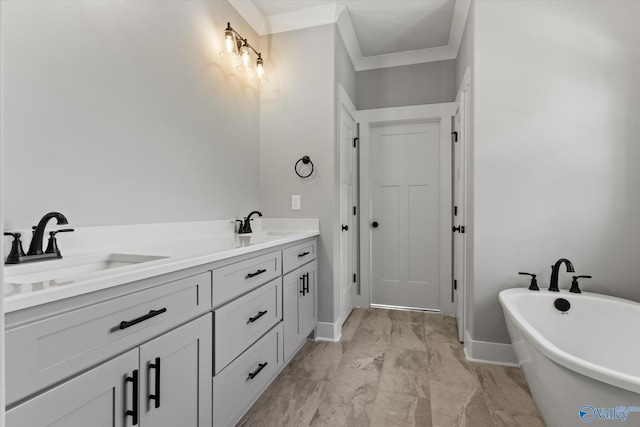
(245, 227)
(35, 253)
(553, 285)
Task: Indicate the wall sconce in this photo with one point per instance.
(236, 47)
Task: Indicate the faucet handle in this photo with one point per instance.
(64, 230)
(534, 282)
(52, 245)
(16, 248)
(574, 284)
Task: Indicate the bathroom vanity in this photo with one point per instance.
(188, 339)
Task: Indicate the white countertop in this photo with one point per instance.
(176, 255)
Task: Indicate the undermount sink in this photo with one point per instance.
(71, 269)
(279, 232)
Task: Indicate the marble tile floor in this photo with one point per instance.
(393, 368)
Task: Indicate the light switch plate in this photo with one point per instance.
(295, 202)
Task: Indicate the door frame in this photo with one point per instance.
(440, 113)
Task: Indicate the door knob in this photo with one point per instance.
(374, 224)
(345, 228)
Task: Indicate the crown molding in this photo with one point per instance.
(333, 13)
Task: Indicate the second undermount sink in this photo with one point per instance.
(72, 268)
(279, 232)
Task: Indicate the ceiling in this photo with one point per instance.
(377, 33)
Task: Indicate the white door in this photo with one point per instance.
(460, 142)
(458, 225)
(348, 223)
(405, 212)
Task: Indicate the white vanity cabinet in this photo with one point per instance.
(164, 382)
(138, 355)
(193, 347)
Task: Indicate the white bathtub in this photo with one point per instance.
(582, 365)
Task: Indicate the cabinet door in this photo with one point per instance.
(291, 294)
(176, 370)
(95, 398)
(308, 314)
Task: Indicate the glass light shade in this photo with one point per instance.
(246, 59)
(260, 75)
(231, 46)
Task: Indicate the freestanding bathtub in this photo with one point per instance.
(582, 364)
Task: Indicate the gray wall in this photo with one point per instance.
(556, 151)
(123, 112)
(297, 118)
(428, 83)
(345, 72)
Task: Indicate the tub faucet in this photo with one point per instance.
(553, 285)
(245, 227)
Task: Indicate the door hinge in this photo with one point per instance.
(455, 285)
(355, 142)
(354, 278)
(354, 210)
(454, 134)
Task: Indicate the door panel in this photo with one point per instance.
(185, 356)
(98, 397)
(348, 232)
(460, 210)
(405, 198)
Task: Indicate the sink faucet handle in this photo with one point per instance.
(574, 284)
(533, 286)
(52, 245)
(64, 230)
(16, 248)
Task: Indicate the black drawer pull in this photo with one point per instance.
(302, 285)
(253, 374)
(306, 283)
(134, 412)
(250, 275)
(153, 313)
(156, 396)
(257, 316)
(303, 254)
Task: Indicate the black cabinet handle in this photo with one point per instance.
(250, 275)
(153, 313)
(257, 316)
(253, 374)
(302, 291)
(134, 412)
(306, 282)
(459, 229)
(303, 254)
(156, 395)
(375, 224)
(345, 228)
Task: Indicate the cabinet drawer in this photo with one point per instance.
(240, 383)
(298, 255)
(236, 279)
(241, 322)
(42, 353)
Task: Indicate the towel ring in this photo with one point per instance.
(305, 161)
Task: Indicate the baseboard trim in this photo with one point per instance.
(328, 332)
(489, 352)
